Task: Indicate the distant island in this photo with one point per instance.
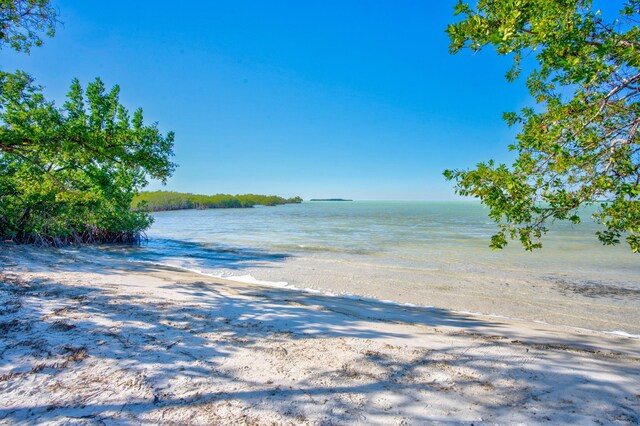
(167, 200)
(329, 199)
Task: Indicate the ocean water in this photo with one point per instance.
(424, 253)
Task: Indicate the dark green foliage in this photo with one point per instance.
(580, 144)
(166, 200)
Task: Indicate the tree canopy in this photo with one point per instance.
(69, 174)
(169, 200)
(22, 22)
(579, 144)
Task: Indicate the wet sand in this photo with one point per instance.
(572, 299)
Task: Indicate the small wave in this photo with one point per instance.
(249, 279)
(623, 334)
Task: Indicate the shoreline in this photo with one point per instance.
(431, 254)
(251, 280)
(363, 292)
(528, 296)
(110, 340)
(421, 253)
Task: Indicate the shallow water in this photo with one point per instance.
(426, 253)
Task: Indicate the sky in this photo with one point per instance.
(351, 99)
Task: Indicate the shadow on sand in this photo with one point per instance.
(154, 356)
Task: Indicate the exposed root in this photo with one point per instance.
(91, 236)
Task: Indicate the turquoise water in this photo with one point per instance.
(428, 253)
(414, 233)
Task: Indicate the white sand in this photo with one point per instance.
(119, 343)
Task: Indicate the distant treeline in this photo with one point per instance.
(167, 200)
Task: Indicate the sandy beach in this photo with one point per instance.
(114, 342)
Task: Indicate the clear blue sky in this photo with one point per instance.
(345, 98)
